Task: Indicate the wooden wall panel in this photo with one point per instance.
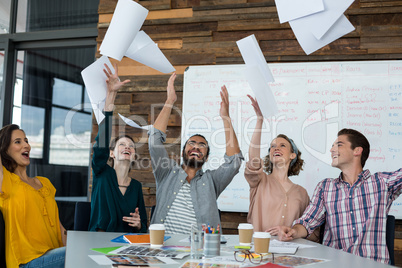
(204, 32)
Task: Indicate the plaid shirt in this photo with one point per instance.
(356, 215)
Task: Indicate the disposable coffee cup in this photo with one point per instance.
(245, 234)
(156, 235)
(261, 242)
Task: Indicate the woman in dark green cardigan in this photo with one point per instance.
(117, 203)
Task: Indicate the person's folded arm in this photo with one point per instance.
(314, 215)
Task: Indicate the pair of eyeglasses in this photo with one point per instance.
(194, 143)
(242, 255)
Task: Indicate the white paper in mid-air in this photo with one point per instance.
(310, 43)
(262, 91)
(319, 23)
(127, 20)
(252, 56)
(95, 84)
(144, 50)
(294, 9)
(134, 124)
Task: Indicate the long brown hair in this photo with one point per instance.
(294, 169)
(5, 141)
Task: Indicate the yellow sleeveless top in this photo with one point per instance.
(31, 218)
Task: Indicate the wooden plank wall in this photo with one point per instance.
(204, 32)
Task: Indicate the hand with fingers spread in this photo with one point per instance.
(256, 107)
(113, 85)
(134, 220)
(113, 81)
(224, 110)
(232, 144)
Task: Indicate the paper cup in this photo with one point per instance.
(261, 242)
(156, 235)
(245, 234)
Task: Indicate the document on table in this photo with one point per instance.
(130, 260)
(149, 252)
(279, 247)
(279, 244)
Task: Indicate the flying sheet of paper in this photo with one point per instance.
(294, 9)
(145, 51)
(127, 20)
(310, 43)
(252, 56)
(134, 124)
(319, 23)
(95, 83)
(262, 91)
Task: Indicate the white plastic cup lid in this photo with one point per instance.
(262, 235)
(157, 227)
(245, 226)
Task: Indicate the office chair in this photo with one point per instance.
(390, 236)
(2, 242)
(82, 216)
(152, 213)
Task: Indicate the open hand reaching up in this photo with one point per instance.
(113, 81)
(171, 93)
(224, 110)
(256, 107)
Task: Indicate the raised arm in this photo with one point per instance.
(101, 146)
(255, 144)
(113, 85)
(162, 120)
(232, 145)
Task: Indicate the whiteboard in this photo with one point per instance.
(315, 100)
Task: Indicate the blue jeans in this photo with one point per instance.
(53, 259)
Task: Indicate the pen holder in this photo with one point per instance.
(212, 245)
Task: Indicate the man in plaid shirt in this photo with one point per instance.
(353, 206)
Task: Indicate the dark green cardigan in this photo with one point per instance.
(108, 205)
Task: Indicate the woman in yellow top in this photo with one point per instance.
(34, 235)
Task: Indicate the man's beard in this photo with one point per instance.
(192, 162)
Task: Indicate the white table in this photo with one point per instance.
(79, 245)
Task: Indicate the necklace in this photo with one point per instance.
(125, 186)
